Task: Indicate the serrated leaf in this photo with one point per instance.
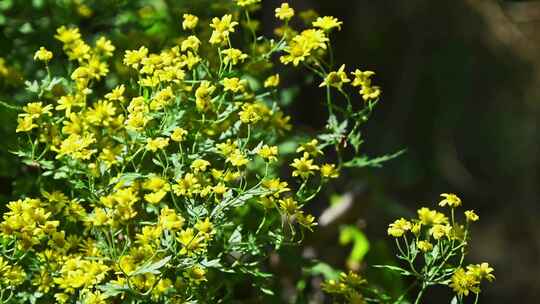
(152, 267)
(365, 161)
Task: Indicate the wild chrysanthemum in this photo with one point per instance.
(304, 166)
(327, 23)
(284, 12)
(43, 55)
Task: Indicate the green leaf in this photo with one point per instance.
(10, 106)
(356, 140)
(112, 290)
(152, 267)
(215, 263)
(365, 161)
(395, 269)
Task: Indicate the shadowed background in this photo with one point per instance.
(461, 89)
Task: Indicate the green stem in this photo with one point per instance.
(420, 294)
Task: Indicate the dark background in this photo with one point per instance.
(461, 89)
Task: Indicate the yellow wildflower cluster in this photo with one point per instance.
(465, 281)
(347, 287)
(162, 175)
(442, 241)
(434, 222)
(304, 166)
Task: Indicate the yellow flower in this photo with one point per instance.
(431, 217)
(36, 109)
(189, 241)
(67, 35)
(233, 56)
(105, 46)
(101, 113)
(219, 189)
(205, 227)
(178, 134)
(370, 92)
(135, 57)
(284, 12)
(222, 28)
(187, 186)
(237, 158)
(327, 23)
(76, 146)
(268, 152)
(272, 81)
(25, 124)
(190, 43)
(197, 274)
(297, 52)
(289, 205)
(249, 114)
(362, 78)
(304, 166)
(463, 283)
(117, 93)
(168, 219)
(95, 298)
(275, 186)
(84, 10)
(336, 78)
(203, 95)
(302, 45)
(100, 217)
(233, 84)
(199, 165)
(244, 3)
(311, 147)
(399, 227)
(307, 221)
(153, 144)
(424, 246)
(149, 235)
(329, 171)
(155, 183)
(471, 216)
(189, 22)
(439, 231)
(481, 271)
(450, 199)
(162, 98)
(43, 55)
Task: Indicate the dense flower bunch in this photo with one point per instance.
(161, 188)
